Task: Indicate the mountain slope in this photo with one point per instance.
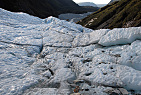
(124, 13)
(42, 8)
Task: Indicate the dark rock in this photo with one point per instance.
(113, 93)
(43, 8)
(78, 81)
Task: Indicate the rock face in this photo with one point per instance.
(54, 57)
(43, 8)
(119, 14)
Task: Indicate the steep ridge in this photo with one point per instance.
(123, 13)
(55, 57)
(43, 8)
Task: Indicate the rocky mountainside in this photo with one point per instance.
(55, 57)
(123, 13)
(43, 8)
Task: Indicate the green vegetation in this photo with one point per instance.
(124, 13)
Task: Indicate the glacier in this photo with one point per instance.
(51, 57)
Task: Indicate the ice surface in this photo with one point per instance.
(117, 36)
(45, 56)
(89, 38)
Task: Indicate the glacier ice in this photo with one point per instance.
(44, 56)
(117, 36)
